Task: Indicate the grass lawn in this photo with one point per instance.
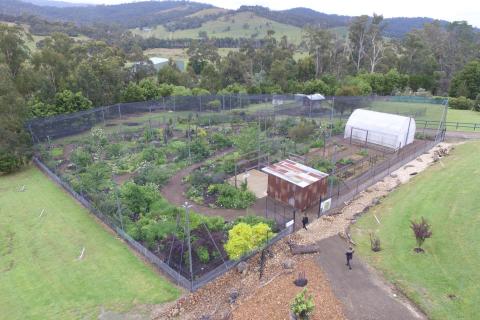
(467, 116)
(444, 281)
(40, 274)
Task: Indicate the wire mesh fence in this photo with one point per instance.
(156, 123)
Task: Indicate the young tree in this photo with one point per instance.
(376, 45)
(320, 45)
(422, 231)
(200, 54)
(467, 81)
(358, 36)
(14, 141)
(13, 50)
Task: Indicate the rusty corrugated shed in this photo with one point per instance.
(295, 184)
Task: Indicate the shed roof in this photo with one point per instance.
(295, 172)
(312, 97)
(157, 60)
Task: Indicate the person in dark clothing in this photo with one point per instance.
(349, 255)
(305, 222)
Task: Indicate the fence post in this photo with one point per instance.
(103, 115)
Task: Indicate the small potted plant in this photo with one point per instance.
(302, 306)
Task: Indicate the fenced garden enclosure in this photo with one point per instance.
(180, 179)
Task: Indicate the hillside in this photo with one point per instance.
(58, 4)
(128, 15)
(192, 17)
(233, 25)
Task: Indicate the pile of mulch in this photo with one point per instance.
(273, 300)
(214, 300)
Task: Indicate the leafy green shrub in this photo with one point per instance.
(199, 178)
(230, 197)
(345, 161)
(157, 175)
(338, 127)
(243, 238)
(476, 106)
(56, 152)
(214, 104)
(247, 140)
(113, 150)
(195, 193)
(302, 305)
(202, 254)
(96, 178)
(81, 158)
(152, 154)
(284, 126)
(198, 150)
(461, 103)
(253, 220)
(176, 146)
(138, 199)
(220, 141)
(317, 144)
(323, 165)
(214, 223)
(301, 131)
(363, 152)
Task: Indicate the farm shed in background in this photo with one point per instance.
(295, 184)
(379, 128)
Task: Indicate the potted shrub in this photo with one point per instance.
(302, 306)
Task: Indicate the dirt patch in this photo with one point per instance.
(67, 151)
(257, 182)
(122, 178)
(273, 300)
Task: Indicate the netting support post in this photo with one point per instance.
(103, 116)
(189, 243)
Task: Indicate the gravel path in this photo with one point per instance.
(365, 296)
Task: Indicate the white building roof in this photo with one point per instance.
(316, 97)
(295, 173)
(313, 97)
(157, 60)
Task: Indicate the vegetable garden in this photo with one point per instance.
(122, 165)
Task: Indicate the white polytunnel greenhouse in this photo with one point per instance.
(379, 128)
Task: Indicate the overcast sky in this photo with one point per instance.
(448, 10)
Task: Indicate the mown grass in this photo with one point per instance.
(444, 281)
(40, 274)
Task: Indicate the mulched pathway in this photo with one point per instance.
(273, 300)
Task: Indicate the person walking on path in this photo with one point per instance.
(305, 222)
(349, 255)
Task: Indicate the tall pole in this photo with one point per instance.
(187, 219)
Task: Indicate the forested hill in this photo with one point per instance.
(128, 15)
(301, 17)
(181, 15)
